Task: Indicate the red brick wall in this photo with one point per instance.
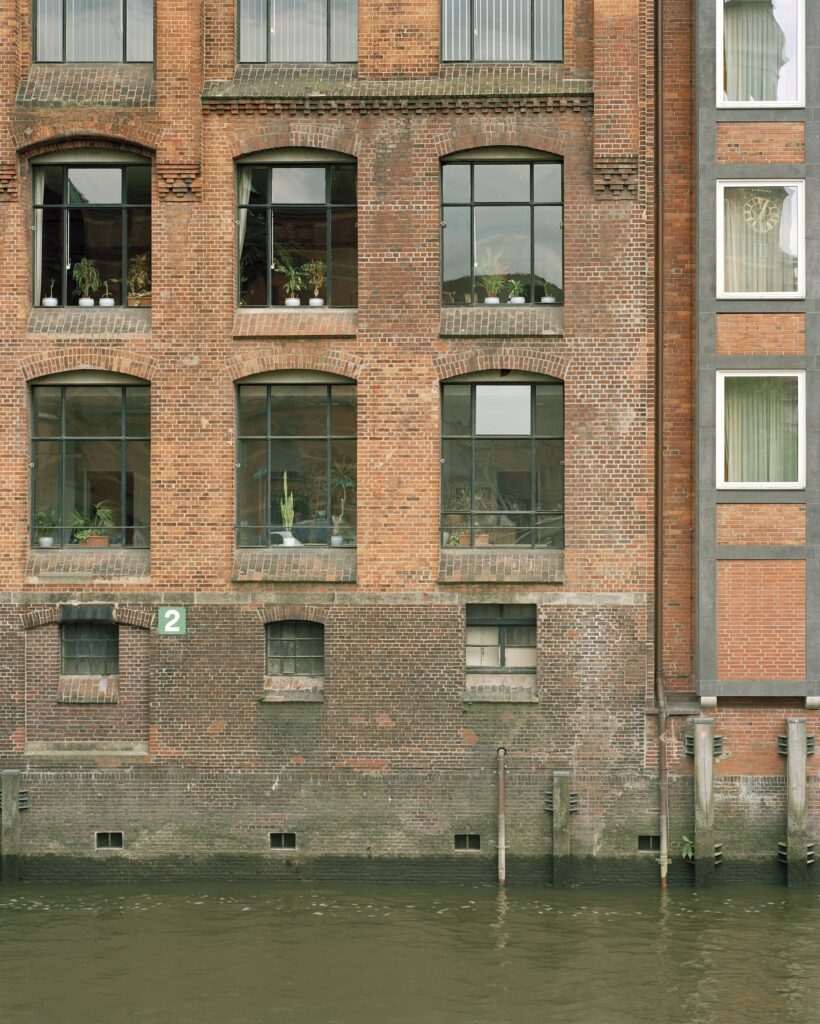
(761, 142)
(764, 334)
(761, 524)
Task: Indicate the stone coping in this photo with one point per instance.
(294, 565)
(85, 748)
(87, 85)
(77, 564)
(501, 565)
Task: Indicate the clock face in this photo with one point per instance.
(760, 213)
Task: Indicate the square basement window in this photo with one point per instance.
(108, 840)
(649, 844)
(283, 840)
(467, 841)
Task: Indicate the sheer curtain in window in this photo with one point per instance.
(760, 239)
(754, 51)
(760, 428)
(39, 192)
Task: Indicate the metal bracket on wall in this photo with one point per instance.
(574, 803)
(718, 853)
(689, 745)
(23, 801)
(783, 745)
(783, 853)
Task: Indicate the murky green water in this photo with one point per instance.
(333, 954)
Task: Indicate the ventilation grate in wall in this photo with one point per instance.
(689, 745)
(783, 745)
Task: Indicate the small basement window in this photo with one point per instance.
(283, 840)
(649, 844)
(467, 841)
(108, 840)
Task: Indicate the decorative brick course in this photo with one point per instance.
(8, 183)
(90, 323)
(68, 564)
(617, 179)
(763, 334)
(87, 85)
(761, 142)
(181, 183)
(294, 565)
(295, 323)
(761, 524)
(488, 565)
(501, 321)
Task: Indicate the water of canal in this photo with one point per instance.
(211, 953)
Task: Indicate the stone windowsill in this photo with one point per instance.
(293, 690)
(86, 565)
(500, 688)
(89, 323)
(85, 748)
(294, 565)
(88, 690)
(501, 565)
(502, 320)
(87, 85)
(300, 322)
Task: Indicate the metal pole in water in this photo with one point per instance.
(502, 818)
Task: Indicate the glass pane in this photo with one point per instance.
(252, 493)
(137, 518)
(549, 475)
(254, 258)
(298, 410)
(456, 495)
(93, 499)
(520, 657)
(502, 30)
(49, 240)
(455, 410)
(549, 253)
(455, 183)
(96, 235)
(547, 183)
(502, 409)
(502, 183)
(344, 255)
(548, 30)
(253, 410)
(45, 402)
(93, 411)
(484, 612)
(93, 30)
(760, 239)
(549, 531)
(140, 41)
(549, 410)
(343, 184)
(305, 463)
(456, 287)
(253, 30)
(46, 491)
(49, 30)
(299, 237)
(519, 636)
(503, 479)
(760, 430)
(502, 247)
(50, 179)
(343, 411)
(94, 185)
(298, 32)
(138, 185)
(456, 29)
(297, 185)
(138, 412)
(253, 185)
(760, 51)
(344, 16)
(343, 489)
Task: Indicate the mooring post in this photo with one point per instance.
(561, 862)
(796, 840)
(10, 831)
(704, 801)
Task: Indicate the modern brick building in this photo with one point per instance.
(330, 393)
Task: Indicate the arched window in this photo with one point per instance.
(295, 648)
(90, 455)
(502, 461)
(297, 229)
(502, 227)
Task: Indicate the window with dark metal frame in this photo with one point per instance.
(501, 638)
(295, 648)
(502, 30)
(298, 31)
(297, 234)
(296, 465)
(502, 464)
(90, 461)
(94, 31)
(109, 840)
(502, 232)
(92, 234)
(90, 648)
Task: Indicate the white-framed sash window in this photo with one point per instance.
(760, 53)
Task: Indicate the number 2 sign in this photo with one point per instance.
(171, 621)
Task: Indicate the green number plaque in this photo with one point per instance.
(171, 621)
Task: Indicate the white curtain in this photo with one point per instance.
(757, 229)
(244, 194)
(760, 429)
(39, 191)
(754, 51)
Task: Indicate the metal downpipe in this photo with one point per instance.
(502, 818)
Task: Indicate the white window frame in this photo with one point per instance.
(799, 101)
(721, 186)
(800, 483)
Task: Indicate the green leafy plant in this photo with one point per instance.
(286, 505)
(342, 480)
(687, 848)
(293, 275)
(139, 276)
(46, 521)
(86, 277)
(515, 288)
(492, 284)
(316, 273)
(111, 280)
(103, 517)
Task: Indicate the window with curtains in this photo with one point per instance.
(502, 30)
(296, 459)
(502, 228)
(760, 239)
(90, 458)
(502, 462)
(91, 31)
(761, 429)
(760, 45)
(297, 234)
(92, 235)
(298, 31)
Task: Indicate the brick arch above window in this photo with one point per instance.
(550, 364)
(69, 135)
(248, 365)
(299, 613)
(479, 133)
(332, 138)
(91, 358)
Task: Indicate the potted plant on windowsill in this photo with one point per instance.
(286, 509)
(343, 481)
(515, 292)
(138, 281)
(107, 299)
(49, 300)
(316, 273)
(294, 280)
(94, 531)
(87, 278)
(47, 522)
(492, 285)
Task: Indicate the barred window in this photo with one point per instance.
(295, 648)
(501, 637)
(502, 30)
(90, 649)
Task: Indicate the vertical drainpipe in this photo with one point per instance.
(502, 817)
(10, 826)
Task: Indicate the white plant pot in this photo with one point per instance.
(49, 301)
(86, 302)
(293, 302)
(548, 299)
(336, 540)
(492, 300)
(46, 542)
(289, 541)
(518, 300)
(107, 302)
(316, 302)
